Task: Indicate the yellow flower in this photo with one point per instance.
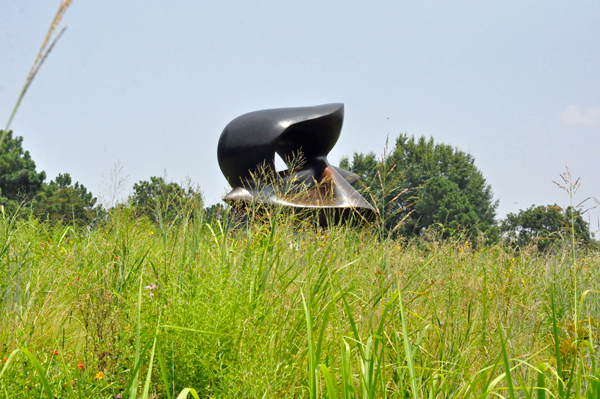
(460, 250)
(99, 376)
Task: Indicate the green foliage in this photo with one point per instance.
(164, 202)
(276, 312)
(60, 200)
(216, 212)
(441, 202)
(449, 189)
(545, 226)
(23, 190)
(19, 179)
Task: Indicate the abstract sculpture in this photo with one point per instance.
(246, 154)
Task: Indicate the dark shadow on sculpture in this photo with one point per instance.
(302, 137)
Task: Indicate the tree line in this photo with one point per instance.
(419, 187)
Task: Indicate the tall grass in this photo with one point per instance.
(284, 309)
(45, 49)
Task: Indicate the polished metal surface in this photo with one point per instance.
(302, 137)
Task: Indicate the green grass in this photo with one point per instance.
(284, 310)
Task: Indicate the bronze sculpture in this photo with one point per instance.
(246, 154)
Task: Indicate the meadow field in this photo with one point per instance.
(282, 309)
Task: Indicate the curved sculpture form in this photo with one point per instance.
(246, 154)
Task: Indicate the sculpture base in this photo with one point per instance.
(332, 199)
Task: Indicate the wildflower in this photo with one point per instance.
(151, 232)
(460, 250)
(55, 353)
(151, 295)
(99, 375)
(80, 365)
(4, 359)
(152, 287)
(119, 396)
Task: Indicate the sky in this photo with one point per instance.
(150, 85)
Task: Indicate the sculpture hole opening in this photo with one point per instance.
(280, 166)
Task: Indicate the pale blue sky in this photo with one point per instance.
(152, 84)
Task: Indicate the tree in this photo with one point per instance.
(60, 200)
(19, 179)
(545, 226)
(422, 183)
(23, 188)
(164, 202)
(443, 203)
(215, 212)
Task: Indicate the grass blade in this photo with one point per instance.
(163, 371)
(186, 391)
(332, 392)
(408, 351)
(133, 392)
(312, 366)
(557, 348)
(38, 368)
(541, 382)
(8, 360)
(347, 383)
(132, 386)
(149, 374)
(509, 383)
